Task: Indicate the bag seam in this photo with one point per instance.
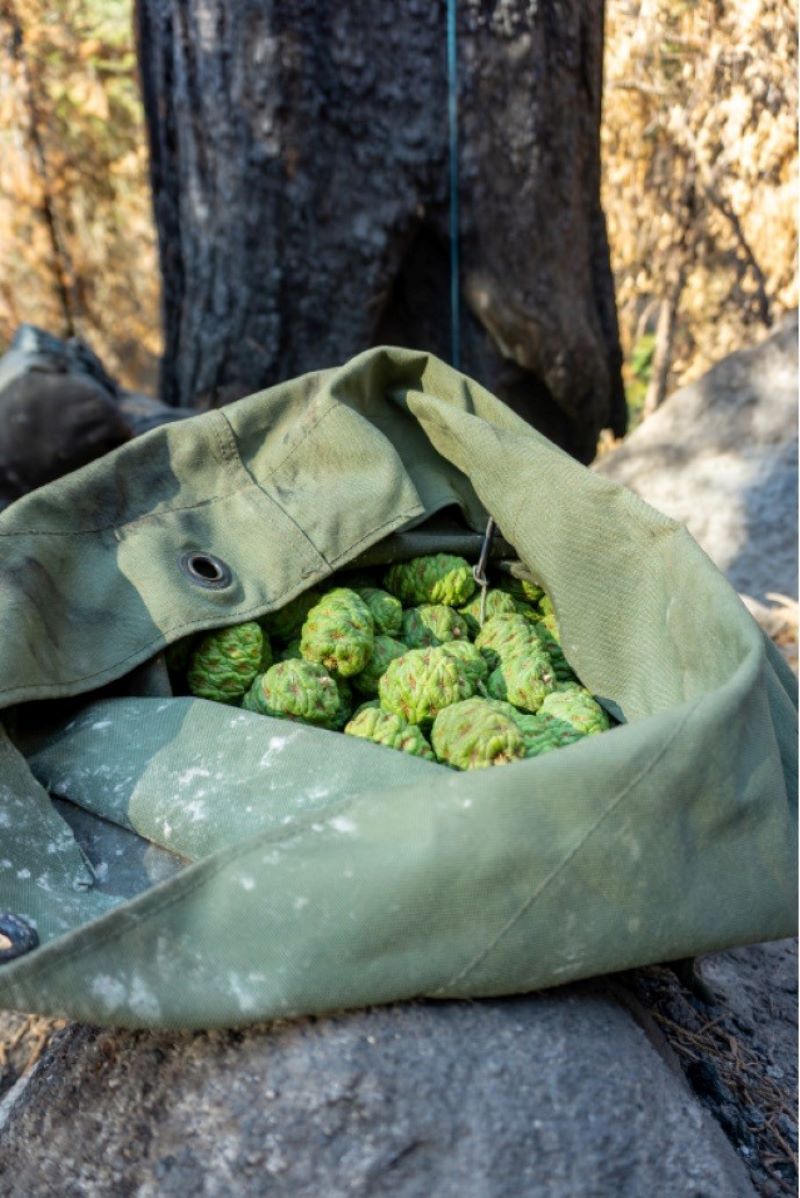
(262, 489)
(219, 425)
(393, 521)
(312, 428)
(554, 873)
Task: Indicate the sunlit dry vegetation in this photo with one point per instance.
(700, 180)
(77, 242)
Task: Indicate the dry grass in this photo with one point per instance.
(780, 622)
(23, 1039)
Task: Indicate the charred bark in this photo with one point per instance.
(299, 168)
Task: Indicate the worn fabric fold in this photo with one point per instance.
(312, 871)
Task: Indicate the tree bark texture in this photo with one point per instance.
(300, 180)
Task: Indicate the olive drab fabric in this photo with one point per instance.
(189, 864)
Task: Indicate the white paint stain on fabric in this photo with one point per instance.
(631, 844)
(142, 1001)
(110, 991)
(300, 902)
(101, 724)
(246, 999)
(247, 883)
(340, 823)
(196, 811)
(276, 746)
(23, 874)
(188, 776)
(560, 970)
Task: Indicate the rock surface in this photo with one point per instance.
(720, 455)
(553, 1095)
(60, 409)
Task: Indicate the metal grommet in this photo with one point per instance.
(18, 934)
(206, 570)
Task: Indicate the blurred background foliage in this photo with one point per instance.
(77, 242)
(700, 181)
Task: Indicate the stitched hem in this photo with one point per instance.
(545, 882)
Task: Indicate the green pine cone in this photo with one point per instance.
(339, 633)
(226, 661)
(531, 614)
(295, 690)
(386, 650)
(503, 634)
(432, 624)
(435, 578)
(387, 612)
(285, 623)
(575, 706)
(540, 732)
(524, 678)
(386, 728)
(507, 709)
(498, 602)
(472, 660)
(549, 617)
(544, 733)
(473, 734)
(561, 667)
(421, 682)
(522, 590)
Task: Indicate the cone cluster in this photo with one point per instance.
(408, 643)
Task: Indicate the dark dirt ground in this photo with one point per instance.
(739, 1052)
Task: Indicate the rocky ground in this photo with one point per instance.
(721, 456)
(620, 1086)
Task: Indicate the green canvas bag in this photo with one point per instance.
(245, 867)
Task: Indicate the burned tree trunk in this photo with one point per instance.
(300, 178)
